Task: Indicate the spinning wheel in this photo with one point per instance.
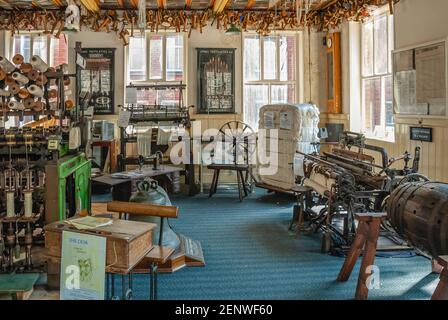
(238, 141)
(241, 138)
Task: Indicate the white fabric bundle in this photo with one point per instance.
(296, 128)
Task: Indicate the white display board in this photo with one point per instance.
(420, 86)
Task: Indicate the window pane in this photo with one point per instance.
(381, 45)
(155, 57)
(255, 96)
(391, 41)
(367, 49)
(270, 58)
(40, 47)
(174, 58)
(282, 94)
(137, 58)
(58, 52)
(22, 44)
(372, 104)
(388, 88)
(287, 58)
(147, 97)
(251, 58)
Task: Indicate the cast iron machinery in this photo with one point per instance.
(347, 180)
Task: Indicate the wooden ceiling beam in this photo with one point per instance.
(134, 3)
(188, 4)
(250, 4)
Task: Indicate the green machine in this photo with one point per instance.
(67, 187)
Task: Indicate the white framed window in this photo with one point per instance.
(377, 44)
(269, 72)
(54, 51)
(156, 58)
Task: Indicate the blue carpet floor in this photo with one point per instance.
(250, 254)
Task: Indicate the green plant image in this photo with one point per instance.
(85, 269)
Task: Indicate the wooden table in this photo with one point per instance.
(123, 188)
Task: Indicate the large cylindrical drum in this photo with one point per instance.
(419, 213)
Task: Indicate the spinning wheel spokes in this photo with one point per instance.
(237, 137)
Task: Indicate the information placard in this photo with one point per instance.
(82, 266)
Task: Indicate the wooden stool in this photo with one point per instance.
(241, 179)
(158, 254)
(441, 292)
(302, 193)
(367, 235)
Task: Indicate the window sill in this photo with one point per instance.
(381, 139)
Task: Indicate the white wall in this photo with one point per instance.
(420, 21)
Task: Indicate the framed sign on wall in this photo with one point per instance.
(216, 80)
(97, 78)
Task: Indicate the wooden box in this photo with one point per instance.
(127, 242)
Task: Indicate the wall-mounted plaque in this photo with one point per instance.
(421, 134)
(97, 78)
(216, 80)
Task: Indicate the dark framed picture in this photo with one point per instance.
(97, 79)
(216, 80)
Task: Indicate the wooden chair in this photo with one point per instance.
(441, 292)
(158, 254)
(366, 237)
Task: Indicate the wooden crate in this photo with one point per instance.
(127, 242)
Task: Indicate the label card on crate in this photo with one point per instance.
(82, 266)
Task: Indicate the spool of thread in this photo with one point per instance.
(69, 104)
(15, 105)
(36, 91)
(7, 65)
(39, 64)
(68, 93)
(5, 107)
(20, 78)
(33, 75)
(10, 205)
(28, 203)
(14, 88)
(53, 93)
(17, 59)
(26, 67)
(9, 80)
(38, 106)
(23, 93)
(41, 80)
(28, 103)
(67, 81)
(4, 93)
(2, 74)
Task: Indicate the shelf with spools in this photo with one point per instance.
(34, 88)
